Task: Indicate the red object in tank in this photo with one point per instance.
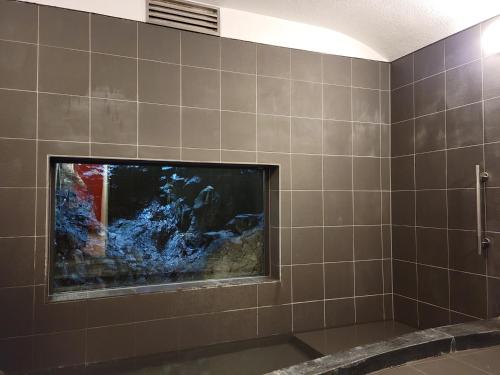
(93, 178)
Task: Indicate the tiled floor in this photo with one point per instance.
(329, 341)
(468, 362)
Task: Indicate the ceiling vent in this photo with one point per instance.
(184, 15)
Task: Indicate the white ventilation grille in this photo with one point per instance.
(184, 15)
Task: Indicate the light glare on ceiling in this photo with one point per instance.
(490, 40)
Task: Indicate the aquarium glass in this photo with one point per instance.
(117, 224)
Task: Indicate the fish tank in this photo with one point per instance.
(117, 223)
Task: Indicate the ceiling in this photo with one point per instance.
(391, 28)
(373, 29)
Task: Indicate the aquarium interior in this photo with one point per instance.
(118, 225)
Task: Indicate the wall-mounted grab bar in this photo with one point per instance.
(482, 242)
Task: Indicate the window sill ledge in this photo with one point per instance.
(174, 287)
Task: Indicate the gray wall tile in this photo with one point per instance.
(159, 125)
(307, 245)
(367, 207)
(429, 95)
(430, 170)
(200, 88)
(18, 207)
(18, 21)
(238, 56)
(158, 82)
(60, 27)
(273, 96)
(337, 70)
(273, 61)
(463, 47)
(17, 114)
(114, 77)
(429, 60)
(402, 71)
(402, 104)
(238, 92)
(62, 117)
(336, 102)
(239, 131)
(273, 133)
(430, 132)
(16, 261)
(159, 43)
(365, 73)
(335, 166)
(366, 173)
(366, 139)
(491, 76)
(200, 128)
(305, 66)
(337, 137)
(367, 243)
(307, 208)
(368, 278)
(306, 172)
(114, 121)
(463, 85)
(338, 243)
(365, 105)
(18, 66)
(306, 99)
(464, 126)
(17, 160)
(306, 135)
(338, 208)
(200, 50)
(491, 118)
(113, 35)
(107, 150)
(339, 280)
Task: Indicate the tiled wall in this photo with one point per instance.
(78, 84)
(445, 119)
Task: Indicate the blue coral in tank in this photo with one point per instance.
(117, 225)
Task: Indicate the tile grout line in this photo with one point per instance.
(415, 187)
(256, 160)
(33, 301)
(323, 194)
(445, 268)
(90, 83)
(390, 194)
(435, 74)
(352, 193)
(137, 136)
(137, 88)
(181, 127)
(469, 104)
(446, 185)
(256, 121)
(85, 354)
(381, 189)
(291, 182)
(437, 306)
(220, 99)
(337, 120)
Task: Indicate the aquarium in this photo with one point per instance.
(118, 224)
